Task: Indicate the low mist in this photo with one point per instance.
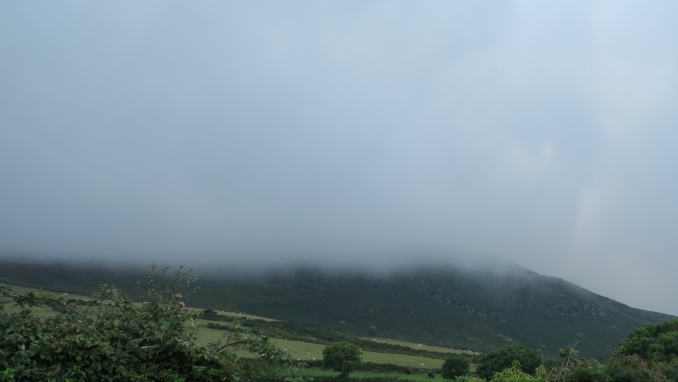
(345, 135)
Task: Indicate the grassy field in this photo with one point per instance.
(241, 315)
(297, 349)
(420, 346)
(308, 351)
(303, 350)
(363, 374)
(24, 289)
(411, 345)
(39, 311)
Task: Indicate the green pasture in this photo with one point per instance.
(308, 351)
(237, 314)
(25, 289)
(296, 349)
(244, 315)
(414, 346)
(366, 374)
(411, 345)
(39, 311)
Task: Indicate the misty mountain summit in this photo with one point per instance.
(472, 308)
(469, 309)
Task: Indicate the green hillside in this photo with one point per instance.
(444, 307)
(441, 306)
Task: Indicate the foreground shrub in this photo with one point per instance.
(468, 379)
(500, 359)
(587, 374)
(516, 374)
(670, 370)
(624, 368)
(619, 368)
(110, 338)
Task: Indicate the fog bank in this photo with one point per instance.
(345, 134)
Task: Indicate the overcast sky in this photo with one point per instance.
(346, 132)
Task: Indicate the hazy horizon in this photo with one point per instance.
(346, 133)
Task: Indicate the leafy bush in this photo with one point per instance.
(624, 368)
(386, 368)
(341, 357)
(468, 379)
(361, 379)
(515, 374)
(500, 359)
(658, 342)
(619, 368)
(110, 338)
(587, 374)
(455, 366)
(670, 370)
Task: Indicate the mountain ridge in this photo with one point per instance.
(439, 305)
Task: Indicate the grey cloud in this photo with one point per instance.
(346, 132)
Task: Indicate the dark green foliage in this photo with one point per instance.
(618, 368)
(468, 379)
(587, 374)
(455, 366)
(341, 357)
(550, 363)
(389, 368)
(110, 338)
(625, 368)
(658, 342)
(503, 358)
(625, 374)
(516, 374)
(670, 370)
(368, 379)
(372, 367)
(574, 369)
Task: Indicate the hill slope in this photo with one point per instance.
(443, 306)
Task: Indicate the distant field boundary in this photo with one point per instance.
(37, 288)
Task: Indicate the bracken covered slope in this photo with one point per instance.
(477, 310)
(447, 306)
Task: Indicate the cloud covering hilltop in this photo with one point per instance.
(346, 133)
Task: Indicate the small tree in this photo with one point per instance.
(455, 366)
(341, 357)
(500, 359)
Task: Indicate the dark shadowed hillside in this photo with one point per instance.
(476, 310)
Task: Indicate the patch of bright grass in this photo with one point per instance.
(366, 374)
(309, 351)
(414, 346)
